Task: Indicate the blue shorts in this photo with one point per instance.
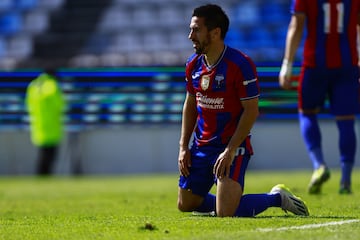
(202, 179)
(339, 86)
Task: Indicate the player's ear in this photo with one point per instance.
(216, 32)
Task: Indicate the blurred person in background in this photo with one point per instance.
(329, 72)
(220, 108)
(46, 107)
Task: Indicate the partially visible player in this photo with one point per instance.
(219, 111)
(46, 106)
(329, 71)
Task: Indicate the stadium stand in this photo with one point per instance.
(92, 33)
(82, 36)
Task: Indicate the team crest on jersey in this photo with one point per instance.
(205, 82)
(219, 79)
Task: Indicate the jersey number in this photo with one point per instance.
(327, 17)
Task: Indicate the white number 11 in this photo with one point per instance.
(340, 19)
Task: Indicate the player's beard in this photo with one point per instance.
(203, 46)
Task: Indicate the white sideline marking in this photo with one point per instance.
(308, 226)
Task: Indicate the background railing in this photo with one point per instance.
(110, 96)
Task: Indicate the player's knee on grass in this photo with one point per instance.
(187, 201)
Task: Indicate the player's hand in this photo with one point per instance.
(223, 164)
(285, 80)
(184, 161)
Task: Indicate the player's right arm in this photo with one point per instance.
(293, 39)
(189, 118)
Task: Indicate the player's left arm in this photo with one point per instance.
(246, 122)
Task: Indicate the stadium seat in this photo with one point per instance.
(50, 4)
(96, 43)
(5, 5)
(91, 118)
(36, 22)
(92, 108)
(85, 60)
(279, 36)
(10, 23)
(137, 118)
(246, 14)
(125, 42)
(172, 15)
(112, 60)
(175, 107)
(146, 16)
(275, 12)
(139, 107)
(259, 38)
(3, 47)
(157, 107)
(116, 118)
(139, 58)
(236, 38)
(20, 46)
(24, 5)
(155, 40)
(117, 108)
(178, 39)
(115, 19)
(155, 118)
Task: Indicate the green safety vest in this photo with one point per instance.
(46, 107)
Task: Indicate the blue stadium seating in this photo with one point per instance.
(3, 47)
(137, 30)
(24, 5)
(10, 23)
(5, 5)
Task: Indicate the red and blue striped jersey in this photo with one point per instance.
(331, 32)
(219, 90)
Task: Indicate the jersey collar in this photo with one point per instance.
(217, 62)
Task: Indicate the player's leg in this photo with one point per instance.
(47, 155)
(312, 93)
(230, 201)
(310, 130)
(347, 147)
(230, 198)
(230, 189)
(193, 192)
(228, 194)
(344, 109)
(188, 201)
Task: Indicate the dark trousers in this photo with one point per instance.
(46, 159)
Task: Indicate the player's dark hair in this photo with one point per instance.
(214, 17)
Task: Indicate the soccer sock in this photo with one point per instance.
(208, 205)
(253, 204)
(310, 131)
(346, 169)
(347, 146)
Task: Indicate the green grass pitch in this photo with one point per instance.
(144, 207)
